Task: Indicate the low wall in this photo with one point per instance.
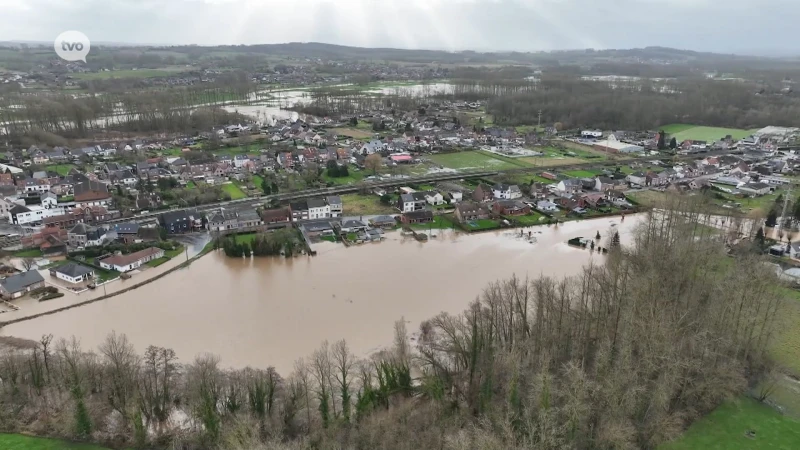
(113, 294)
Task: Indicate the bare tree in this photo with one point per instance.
(27, 263)
(343, 362)
(121, 373)
(373, 162)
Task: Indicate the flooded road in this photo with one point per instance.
(271, 311)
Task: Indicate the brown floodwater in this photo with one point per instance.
(272, 311)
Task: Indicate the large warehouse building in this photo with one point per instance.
(612, 145)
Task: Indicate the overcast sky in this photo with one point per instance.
(731, 26)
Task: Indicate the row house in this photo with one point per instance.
(471, 211)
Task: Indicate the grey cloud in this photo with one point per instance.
(738, 26)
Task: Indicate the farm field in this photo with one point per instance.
(682, 132)
(725, 428)
(234, 191)
(477, 160)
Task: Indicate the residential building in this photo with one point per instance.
(91, 193)
(433, 198)
(637, 178)
(32, 215)
(73, 273)
(82, 235)
(335, 204)
(126, 263)
(19, 284)
(6, 203)
(570, 186)
(546, 206)
(277, 218)
(602, 184)
(177, 221)
(318, 209)
(299, 210)
(223, 220)
(506, 192)
(383, 222)
(414, 201)
(510, 208)
(755, 189)
(469, 211)
(413, 217)
(482, 193)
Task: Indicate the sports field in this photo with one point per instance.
(477, 160)
(681, 132)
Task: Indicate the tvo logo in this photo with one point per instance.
(72, 46)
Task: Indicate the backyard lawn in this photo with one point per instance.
(476, 160)
(364, 205)
(28, 253)
(245, 238)
(61, 169)
(530, 219)
(725, 428)
(785, 347)
(234, 191)
(352, 177)
(173, 253)
(482, 224)
(20, 442)
(158, 262)
(681, 132)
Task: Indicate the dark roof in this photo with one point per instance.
(20, 281)
(334, 200)
(80, 228)
(248, 214)
(73, 270)
(300, 205)
(91, 190)
(316, 203)
(419, 215)
(383, 219)
(18, 209)
(175, 216)
(279, 213)
(126, 228)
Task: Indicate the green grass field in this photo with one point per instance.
(28, 253)
(352, 177)
(158, 262)
(245, 238)
(475, 160)
(681, 132)
(531, 219)
(173, 253)
(140, 73)
(234, 191)
(61, 169)
(583, 173)
(725, 427)
(20, 442)
(785, 347)
(362, 205)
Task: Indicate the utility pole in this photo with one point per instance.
(783, 213)
(539, 124)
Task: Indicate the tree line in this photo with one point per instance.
(624, 355)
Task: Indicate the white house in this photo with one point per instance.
(546, 206)
(637, 178)
(126, 263)
(6, 203)
(591, 134)
(434, 198)
(73, 273)
(335, 204)
(240, 160)
(755, 189)
(570, 186)
(318, 209)
(506, 192)
(456, 196)
(33, 214)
